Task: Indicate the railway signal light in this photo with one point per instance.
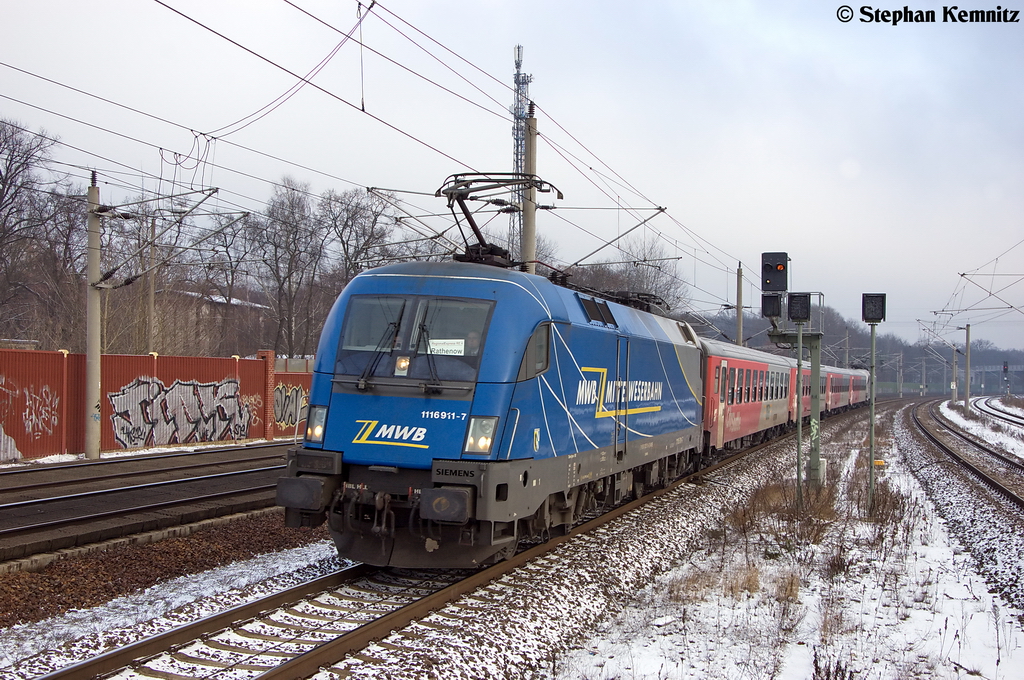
(774, 272)
(799, 307)
(873, 307)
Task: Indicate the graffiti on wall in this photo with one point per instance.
(146, 413)
(8, 395)
(41, 414)
(289, 405)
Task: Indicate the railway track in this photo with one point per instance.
(1003, 474)
(284, 631)
(293, 634)
(990, 407)
(49, 508)
(112, 471)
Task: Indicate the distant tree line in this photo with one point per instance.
(266, 280)
(213, 284)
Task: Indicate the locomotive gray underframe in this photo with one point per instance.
(528, 483)
(535, 480)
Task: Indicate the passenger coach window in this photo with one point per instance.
(748, 385)
(732, 385)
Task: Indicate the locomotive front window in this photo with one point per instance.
(447, 338)
(433, 339)
(372, 323)
(450, 327)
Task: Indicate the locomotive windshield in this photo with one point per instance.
(414, 337)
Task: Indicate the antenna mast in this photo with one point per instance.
(519, 115)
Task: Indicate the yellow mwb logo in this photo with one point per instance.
(392, 435)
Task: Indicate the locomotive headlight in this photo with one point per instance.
(315, 422)
(402, 366)
(480, 434)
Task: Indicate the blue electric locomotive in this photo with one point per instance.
(458, 408)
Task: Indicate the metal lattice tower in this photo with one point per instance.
(519, 111)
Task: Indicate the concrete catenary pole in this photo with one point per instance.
(739, 304)
(967, 372)
(529, 245)
(92, 315)
(151, 297)
(955, 376)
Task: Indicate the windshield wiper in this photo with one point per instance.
(383, 345)
(434, 386)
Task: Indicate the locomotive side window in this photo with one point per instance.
(536, 359)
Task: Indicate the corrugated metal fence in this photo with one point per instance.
(146, 401)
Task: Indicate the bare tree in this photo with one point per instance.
(23, 210)
(289, 244)
(361, 226)
(52, 282)
(648, 269)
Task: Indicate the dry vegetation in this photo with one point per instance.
(771, 549)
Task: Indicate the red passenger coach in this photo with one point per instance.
(750, 396)
(745, 395)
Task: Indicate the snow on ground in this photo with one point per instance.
(893, 600)
(722, 580)
(82, 633)
(1006, 437)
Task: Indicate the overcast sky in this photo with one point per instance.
(882, 158)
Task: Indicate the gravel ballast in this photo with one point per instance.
(91, 580)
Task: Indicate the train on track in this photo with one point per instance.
(457, 409)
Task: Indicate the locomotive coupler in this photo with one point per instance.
(383, 516)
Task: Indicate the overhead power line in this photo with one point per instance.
(312, 84)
